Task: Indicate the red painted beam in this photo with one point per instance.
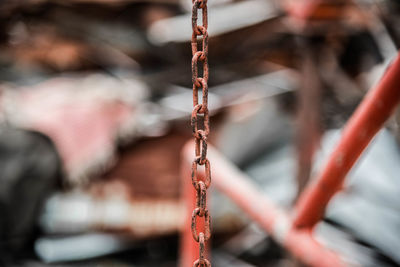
(189, 248)
(301, 9)
(315, 9)
(238, 187)
(367, 120)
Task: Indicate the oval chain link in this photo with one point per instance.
(200, 123)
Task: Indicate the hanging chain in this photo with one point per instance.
(200, 115)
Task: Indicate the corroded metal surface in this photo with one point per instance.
(377, 106)
(200, 133)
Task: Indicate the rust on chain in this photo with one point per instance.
(207, 220)
(202, 247)
(203, 151)
(207, 178)
(201, 198)
(195, 122)
(200, 123)
(206, 263)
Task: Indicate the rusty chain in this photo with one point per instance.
(200, 115)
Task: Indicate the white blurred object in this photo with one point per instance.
(77, 212)
(74, 248)
(222, 19)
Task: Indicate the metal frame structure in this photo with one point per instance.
(294, 229)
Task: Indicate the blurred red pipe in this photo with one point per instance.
(301, 9)
(366, 121)
(304, 10)
(238, 187)
(189, 249)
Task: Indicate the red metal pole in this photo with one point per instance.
(237, 186)
(314, 9)
(301, 9)
(188, 247)
(366, 121)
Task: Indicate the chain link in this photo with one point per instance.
(200, 122)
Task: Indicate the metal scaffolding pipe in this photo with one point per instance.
(189, 249)
(238, 187)
(296, 235)
(367, 120)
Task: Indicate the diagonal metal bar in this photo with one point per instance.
(367, 120)
(228, 179)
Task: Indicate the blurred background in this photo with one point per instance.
(95, 101)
